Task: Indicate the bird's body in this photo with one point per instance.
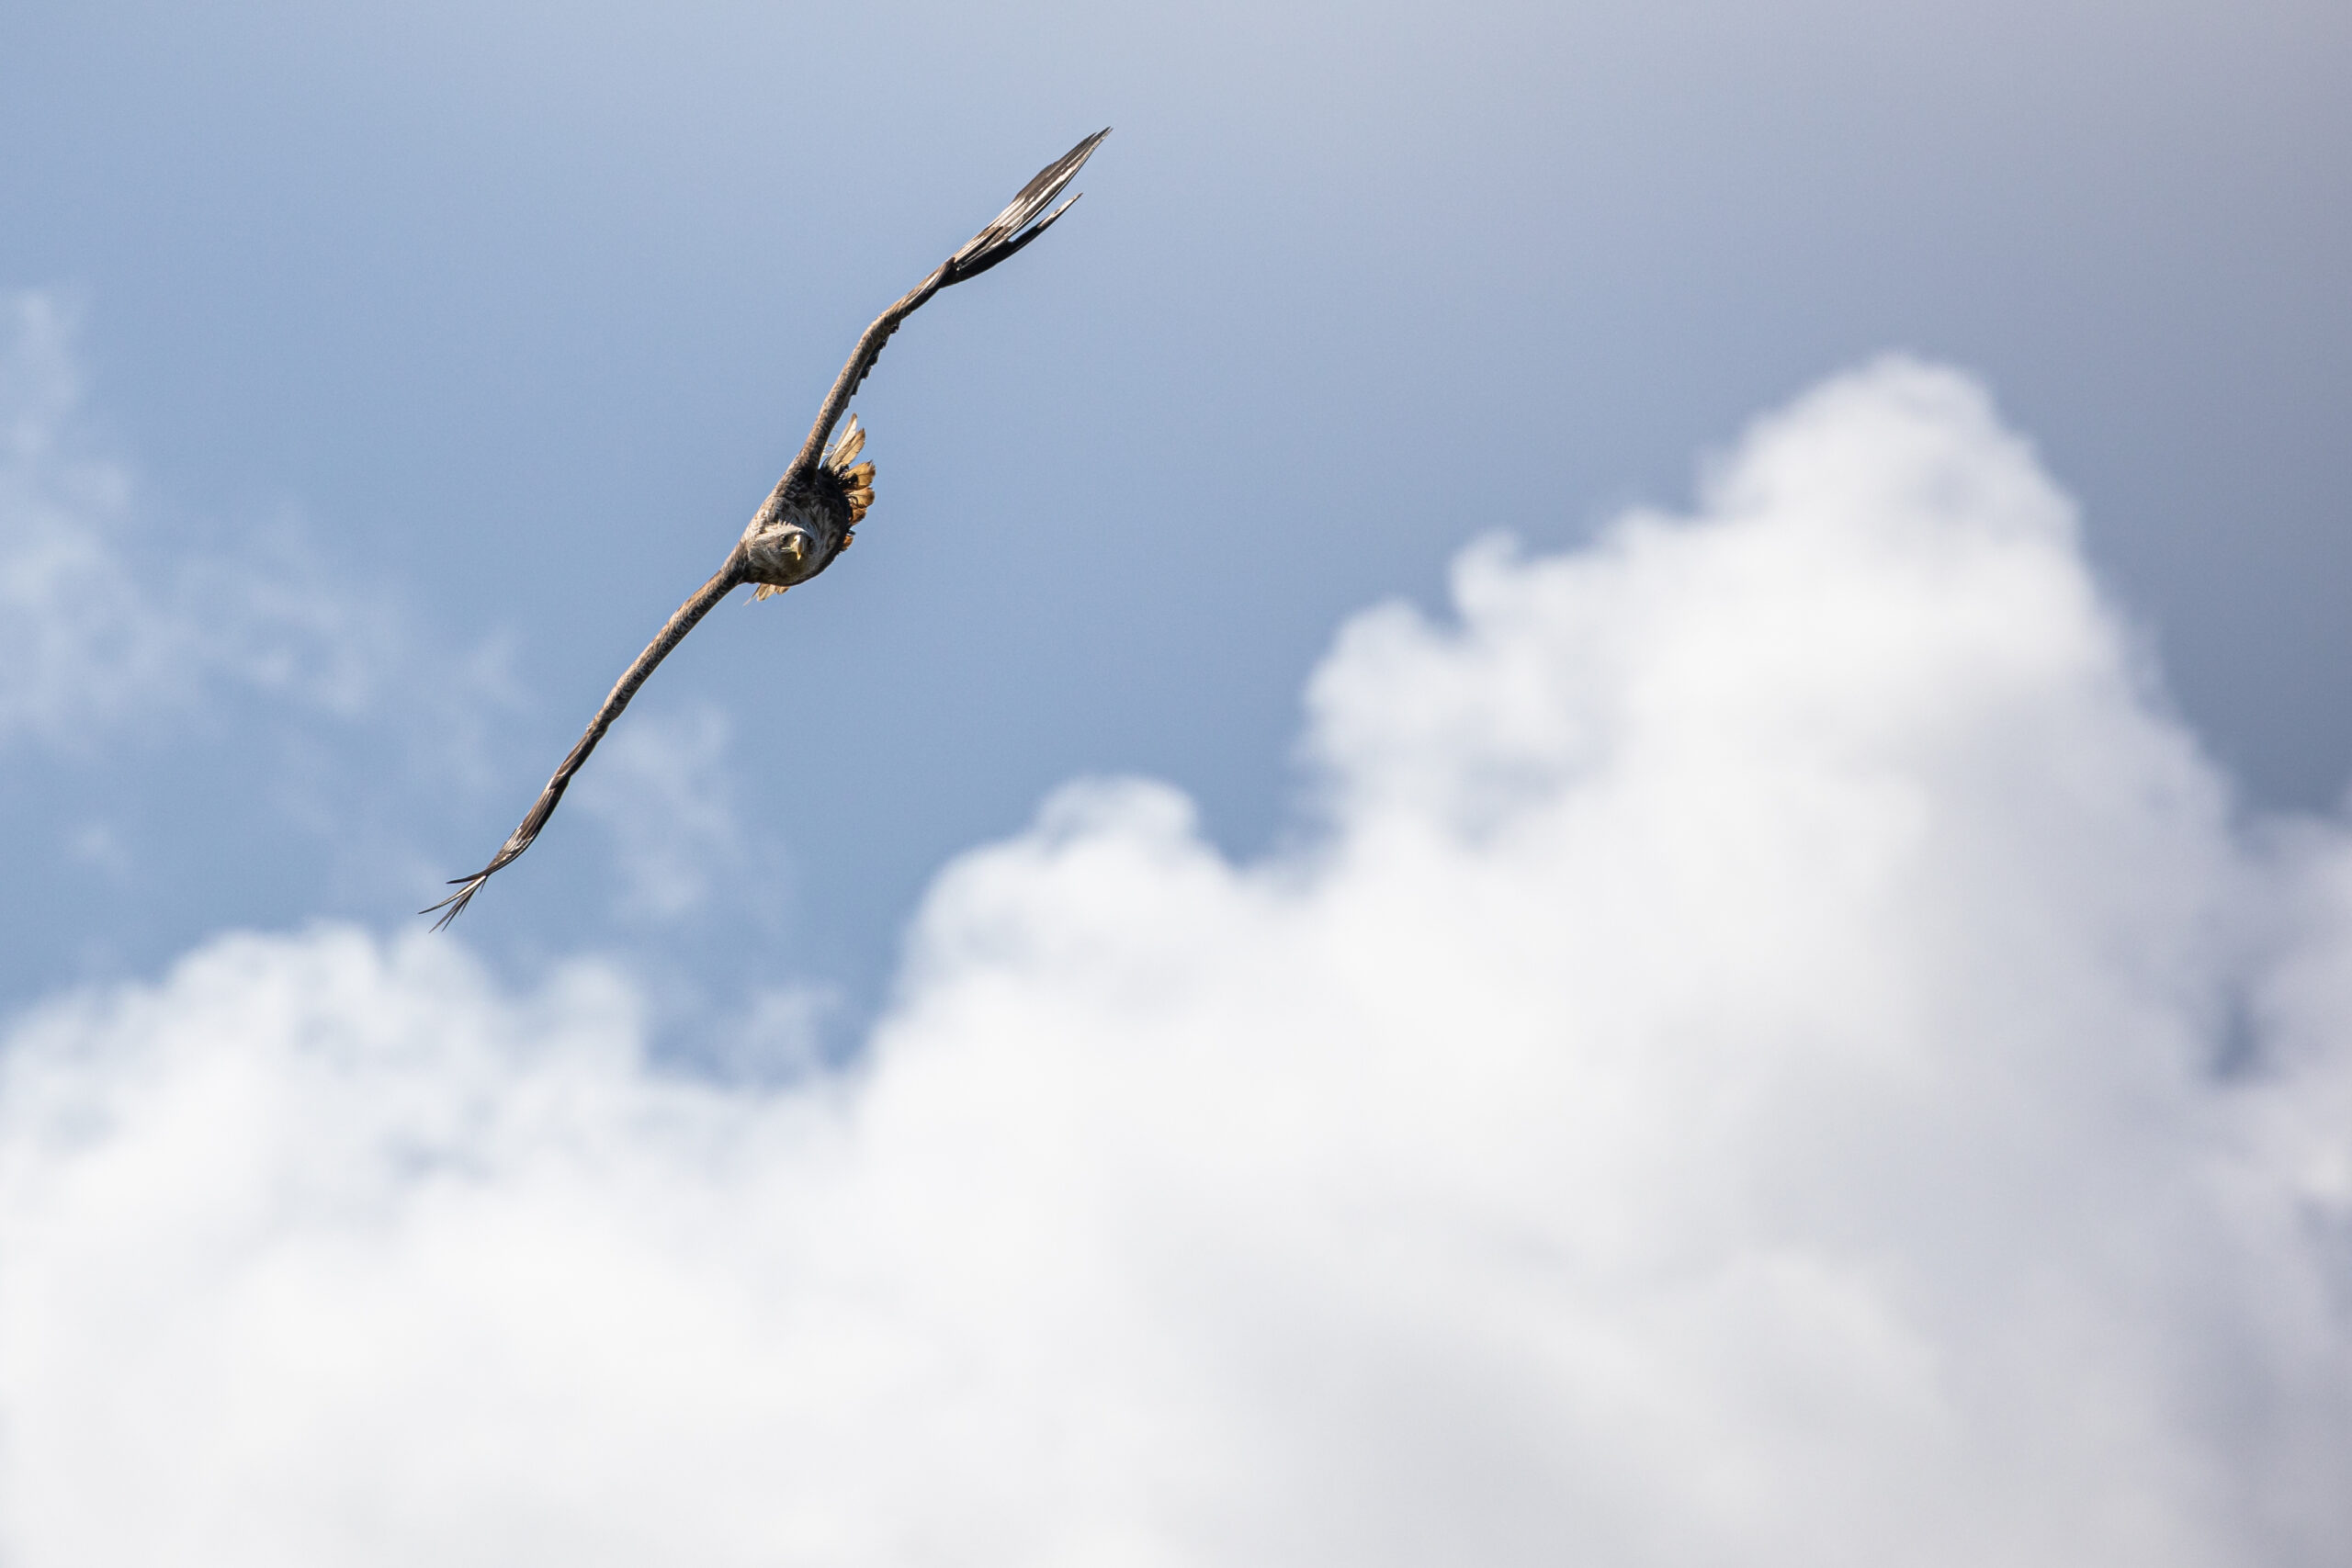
(798, 534)
(806, 520)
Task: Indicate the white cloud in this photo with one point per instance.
(126, 629)
(1738, 1083)
(109, 615)
(662, 789)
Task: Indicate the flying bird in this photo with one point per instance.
(806, 519)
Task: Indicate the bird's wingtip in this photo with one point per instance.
(455, 904)
(1018, 223)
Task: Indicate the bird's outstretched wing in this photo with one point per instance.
(694, 609)
(1013, 228)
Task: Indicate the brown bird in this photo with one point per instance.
(806, 520)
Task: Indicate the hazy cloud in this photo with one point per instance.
(1781, 1056)
(113, 614)
(661, 789)
(298, 705)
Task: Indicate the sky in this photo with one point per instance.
(1576, 798)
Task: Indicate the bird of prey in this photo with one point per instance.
(806, 519)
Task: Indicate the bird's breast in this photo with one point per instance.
(791, 543)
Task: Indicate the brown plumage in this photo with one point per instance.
(839, 488)
(806, 519)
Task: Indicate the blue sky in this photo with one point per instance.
(507, 314)
(375, 383)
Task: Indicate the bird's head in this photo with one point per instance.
(783, 552)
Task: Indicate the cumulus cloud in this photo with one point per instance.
(1781, 1054)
